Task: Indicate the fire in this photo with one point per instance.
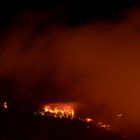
(67, 110)
(61, 110)
(88, 120)
(107, 126)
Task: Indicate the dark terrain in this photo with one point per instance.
(21, 125)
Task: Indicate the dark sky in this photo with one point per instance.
(72, 12)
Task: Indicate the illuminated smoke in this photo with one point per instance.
(95, 65)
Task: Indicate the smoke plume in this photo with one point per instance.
(95, 65)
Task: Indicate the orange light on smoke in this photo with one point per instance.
(119, 115)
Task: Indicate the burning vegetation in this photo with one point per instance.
(64, 110)
(61, 110)
(62, 115)
(67, 110)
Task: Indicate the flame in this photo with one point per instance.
(61, 110)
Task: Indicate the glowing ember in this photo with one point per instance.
(88, 120)
(5, 105)
(107, 126)
(61, 110)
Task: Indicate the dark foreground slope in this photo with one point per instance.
(26, 126)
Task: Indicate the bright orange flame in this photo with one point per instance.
(61, 110)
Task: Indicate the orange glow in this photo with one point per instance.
(119, 115)
(107, 126)
(61, 110)
(88, 120)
